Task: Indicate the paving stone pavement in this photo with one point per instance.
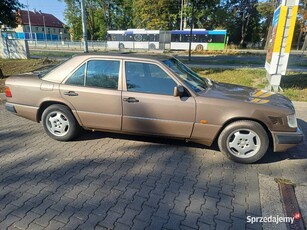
(111, 181)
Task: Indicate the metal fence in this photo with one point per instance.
(96, 45)
(67, 45)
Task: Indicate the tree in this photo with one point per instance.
(159, 14)
(8, 9)
(246, 19)
(302, 22)
(266, 10)
(124, 14)
(73, 17)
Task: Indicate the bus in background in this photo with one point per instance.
(201, 39)
(137, 39)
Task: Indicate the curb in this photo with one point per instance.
(270, 192)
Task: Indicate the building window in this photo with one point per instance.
(54, 30)
(59, 30)
(43, 29)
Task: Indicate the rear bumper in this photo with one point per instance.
(286, 140)
(29, 112)
(10, 107)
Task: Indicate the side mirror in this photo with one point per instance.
(179, 91)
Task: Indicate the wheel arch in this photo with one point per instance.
(46, 104)
(228, 122)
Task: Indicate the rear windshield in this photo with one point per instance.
(47, 69)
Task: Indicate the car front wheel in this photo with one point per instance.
(244, 141)
(59, 123)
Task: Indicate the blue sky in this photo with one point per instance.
(54, 7)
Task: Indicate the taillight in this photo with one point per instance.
(7, 92)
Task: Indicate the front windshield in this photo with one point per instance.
(189, 77)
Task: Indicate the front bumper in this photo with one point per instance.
(286, 140)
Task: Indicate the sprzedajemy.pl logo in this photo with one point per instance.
(273, 219)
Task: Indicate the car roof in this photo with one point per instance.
(129, 55)
(58, 74)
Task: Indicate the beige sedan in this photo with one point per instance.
(154, 95)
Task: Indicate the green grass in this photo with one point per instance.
(246, 77)
(294, 84)
(53, 53)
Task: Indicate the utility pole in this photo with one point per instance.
(30, 37)
(181, 15)
(191, 28)
(84, 26)
(45, 29)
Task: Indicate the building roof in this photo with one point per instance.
(37, 19)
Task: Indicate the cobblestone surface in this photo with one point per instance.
(113, 181)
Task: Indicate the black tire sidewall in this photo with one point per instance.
(74, 126)
(251, 125)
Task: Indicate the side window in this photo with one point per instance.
(102, 74)
(77, 78)
(148, 78)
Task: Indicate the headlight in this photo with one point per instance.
(292, 122)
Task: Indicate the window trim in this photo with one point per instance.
(157, 63)
(119, 83)
(72, 72)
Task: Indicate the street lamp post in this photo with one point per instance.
(191, 28)
(45, 29)
(61, 35)
(84, 26)
(29, 19)
(181, 15)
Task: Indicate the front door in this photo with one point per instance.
(149, 105)
(93, 91)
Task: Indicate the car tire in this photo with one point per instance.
(121, 46)
(199, 48)
(244, 141)
(152, 46)
(59, 123)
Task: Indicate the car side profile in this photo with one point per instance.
(153, 95)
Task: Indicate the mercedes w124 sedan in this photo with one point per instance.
(154, 95)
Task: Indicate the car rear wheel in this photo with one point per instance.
(121, 46)
(59, 123)
(199, 48)
(152, 46)
(244, 141)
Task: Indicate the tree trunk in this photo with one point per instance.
(305, 44)
(244, 29)
(1, 74)
(299, 39)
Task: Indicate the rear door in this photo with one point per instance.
(94, 91)
(149, 105)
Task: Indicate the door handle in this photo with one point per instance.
(71, 93)
(130, 100)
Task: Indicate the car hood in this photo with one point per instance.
(247, 94)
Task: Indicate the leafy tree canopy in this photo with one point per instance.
(8, 10)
